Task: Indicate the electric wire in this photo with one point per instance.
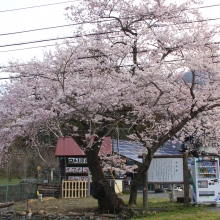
(58, 38)
(75, 24)
(37, 6)
(86, 22)
(52, 27)
(91, 34)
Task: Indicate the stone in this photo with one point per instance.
(23, 213)
(41, 212)
(91, 217)
(29, 215)
(98, 218)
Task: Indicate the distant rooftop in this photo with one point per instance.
(132, 149)
(66, 146)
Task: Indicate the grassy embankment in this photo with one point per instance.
(177, 211)
(6, 181)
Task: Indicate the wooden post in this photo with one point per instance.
(173, 193)
(65, 167)
(186, 178)
(145, 186)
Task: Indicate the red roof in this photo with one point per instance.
(106, 146)
(66, 146)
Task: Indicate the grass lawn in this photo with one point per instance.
(177, 211)
(189, 213)
(6, 181)
(172, 210)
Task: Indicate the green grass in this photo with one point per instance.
(6, 181)
(188, 213)
(176, 211)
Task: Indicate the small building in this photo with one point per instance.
(133, 151)
(72, 159)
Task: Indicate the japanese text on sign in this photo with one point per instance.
(166, 170)
(77, 160)
(77, 169)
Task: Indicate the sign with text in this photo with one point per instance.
(78, 178)
(77, 169)
(166, 170)
(77, 160)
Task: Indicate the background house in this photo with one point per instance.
(72, 159)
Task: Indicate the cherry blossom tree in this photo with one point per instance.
(126, 64)
(158, 43)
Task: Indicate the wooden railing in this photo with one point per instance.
(78, 189)
(74, 189)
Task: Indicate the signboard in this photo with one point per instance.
(77, 169)
(77, 160)
(78, 178)
(166, 170)
(85, 170)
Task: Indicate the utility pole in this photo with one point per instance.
(117, 130)
(145, 184)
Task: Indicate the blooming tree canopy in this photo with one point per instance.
(126, 63)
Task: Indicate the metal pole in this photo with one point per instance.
(186, 178)
(7, 194)
(173, 193)
(88, 190)
(145, 185)
(51, 174)
(118, 141)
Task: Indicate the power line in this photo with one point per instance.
(170, 61)
(37, 6)
(38, 29)
(101, 55)
(27, 48)
(59, 26)
(207, 6)
(92, 34)
(58, 38)
(88, 22)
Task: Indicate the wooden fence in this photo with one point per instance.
(49, 190)
(74, 189)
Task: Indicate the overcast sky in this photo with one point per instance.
(42, 17)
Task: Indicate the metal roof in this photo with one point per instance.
(132, 149)
(66, 146)
(106, 148)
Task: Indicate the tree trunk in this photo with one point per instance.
(133, 192)
(101, 190)
(138, 177)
